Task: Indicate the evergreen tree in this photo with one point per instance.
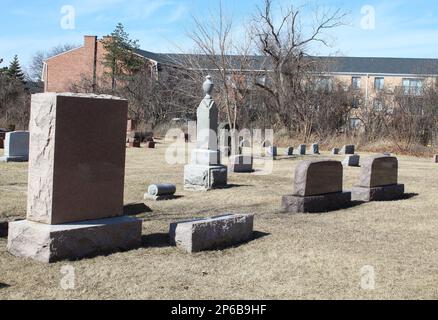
(14, 71)
(120, 57)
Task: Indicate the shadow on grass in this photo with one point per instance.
(408, 196)
(4, 285)
(161, 240)
(134, 209)
(354, 204)
(230, 186)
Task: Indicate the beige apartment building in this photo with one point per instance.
(371, 78)
(379, 81)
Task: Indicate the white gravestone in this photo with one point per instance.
(16, 147)
(205, 171)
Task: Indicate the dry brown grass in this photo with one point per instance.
(293, 257)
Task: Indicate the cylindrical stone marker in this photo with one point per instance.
(165, 189)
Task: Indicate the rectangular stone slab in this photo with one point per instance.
(77, 157)
(316, 204)
(211, 233)
(348, 149)
(379, 171)
(301, 150)
(385, 193)
(198, 177)
(351, 160)
(50, 243)
(17, 144)
(315, 177)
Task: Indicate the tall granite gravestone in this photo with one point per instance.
(378, 180)
(76, 180)
(16, 147)
(205, 171)
(317, 188)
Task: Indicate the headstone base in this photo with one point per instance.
(211, 233)
(13, 159)
(316, 204)
(203, 178)
(51, 243)
(385, 193)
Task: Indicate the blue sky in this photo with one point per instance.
(402, 28)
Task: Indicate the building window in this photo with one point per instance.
(354, 123)
(412, 86)
(324, 83)
(379, 84)
(355, 103)
(355, 82)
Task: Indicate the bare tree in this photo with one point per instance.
(289, 69)
(36, 66)
(219, 53)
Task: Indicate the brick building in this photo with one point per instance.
(60, 72)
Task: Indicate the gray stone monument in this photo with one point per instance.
(158, 192)
(317, 188)
(16, 147)
(76, 180)
(211, 233)
(315, 148)
(378, 180)
(301, 150)
(348, 149)
(335, 151)
(205, 171)
(289, 151)
(351, 160)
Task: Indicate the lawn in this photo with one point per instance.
(291, 256)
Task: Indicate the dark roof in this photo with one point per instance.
(179, 59)
(402, 66)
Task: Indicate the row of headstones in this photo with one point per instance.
(318, 185)
(314, 150)
(16, 145)
(76, 182)
(76, 185)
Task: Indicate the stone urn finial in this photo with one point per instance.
(208, 87)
